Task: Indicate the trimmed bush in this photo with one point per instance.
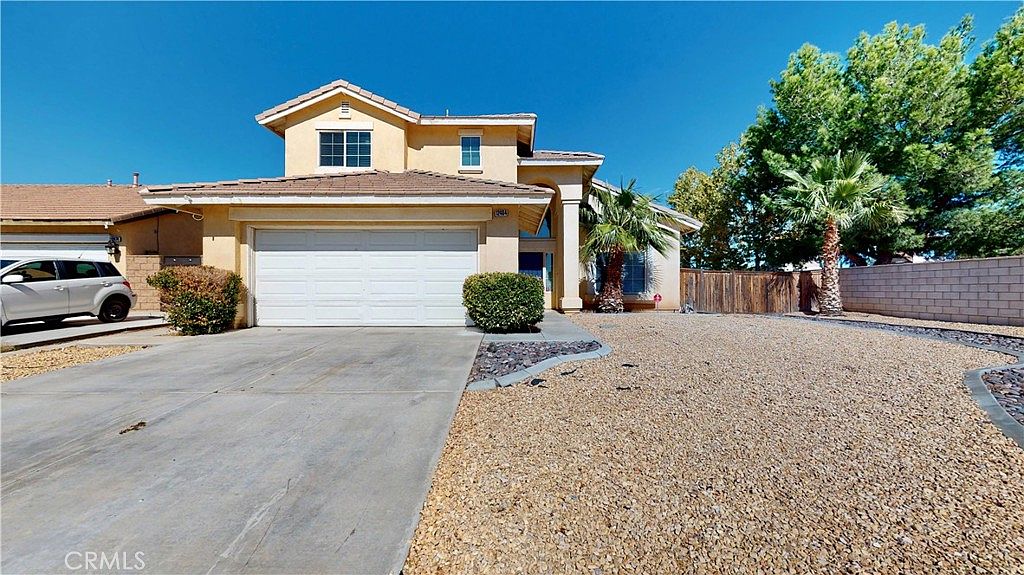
(503, 301)
(198, 299)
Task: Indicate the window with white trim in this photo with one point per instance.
(634, 272)
(470, 152)
(348, 148)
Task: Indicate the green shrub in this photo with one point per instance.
(503, 301)
(198, 299)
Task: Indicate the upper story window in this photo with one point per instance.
(348, 148)
(470, 152)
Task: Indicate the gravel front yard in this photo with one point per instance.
(1010, 330)
(14, 365)
(730, 444)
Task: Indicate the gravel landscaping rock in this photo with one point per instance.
(1010, 330)
(496, 359)
(1014, 344)
(734, 444)
(1007, 386)
(16, 365)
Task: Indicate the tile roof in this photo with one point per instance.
(73, 202)
(370, 182)
(516, 115)
(691, 222)
(382, 101)
(562, 155)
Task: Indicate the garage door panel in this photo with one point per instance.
(341, 262)
(283, 313)
(340, 287)
(443, 287)
(340, 240)
(441, 312)
(348, 311)
(271, 287)
(393, 287)
(400, 313)
(362, 277)
(447, 262)
(461, 241)
(24, 246)
(393, 262)
(394, 240)
(281, 240)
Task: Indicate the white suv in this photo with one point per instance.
(50, 290)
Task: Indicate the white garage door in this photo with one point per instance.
(24, 246)
(362, 277)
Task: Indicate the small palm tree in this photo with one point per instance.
(616, 223)
(838, 192)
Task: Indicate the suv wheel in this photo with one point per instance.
(115, 309)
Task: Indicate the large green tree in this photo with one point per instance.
(945, 131)
(711, 198)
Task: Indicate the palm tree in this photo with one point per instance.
(838, 192)
(616, 223)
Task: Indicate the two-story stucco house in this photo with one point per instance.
(383, 212)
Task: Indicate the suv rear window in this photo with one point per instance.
(79, 270)
(107, 270)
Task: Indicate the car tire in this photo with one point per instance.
(115, 309)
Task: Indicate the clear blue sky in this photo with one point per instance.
(96, 91)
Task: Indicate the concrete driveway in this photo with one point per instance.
(304, 450)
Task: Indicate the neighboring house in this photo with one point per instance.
(382, 212)
(99, 222)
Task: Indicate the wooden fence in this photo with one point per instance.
(748, 292)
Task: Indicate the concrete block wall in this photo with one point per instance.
(138, 268)
(989, 290)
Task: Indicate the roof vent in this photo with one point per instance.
(135, 179)
(110, 182)
(346, 110)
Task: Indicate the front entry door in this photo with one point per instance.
(539, 265)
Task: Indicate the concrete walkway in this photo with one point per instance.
(555, 327)
(305, 450)
(20, 336)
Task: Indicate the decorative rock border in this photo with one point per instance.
(501, 364)
(1007, 385)
(997, 390)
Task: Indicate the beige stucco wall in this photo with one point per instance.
(439, 149)
(302, 142)
(500, 251)
(168, 235)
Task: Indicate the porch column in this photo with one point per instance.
(569, 236)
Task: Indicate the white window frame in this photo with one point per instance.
(471, 169)
(342, 128)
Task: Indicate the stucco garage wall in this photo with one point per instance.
(987, 290)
